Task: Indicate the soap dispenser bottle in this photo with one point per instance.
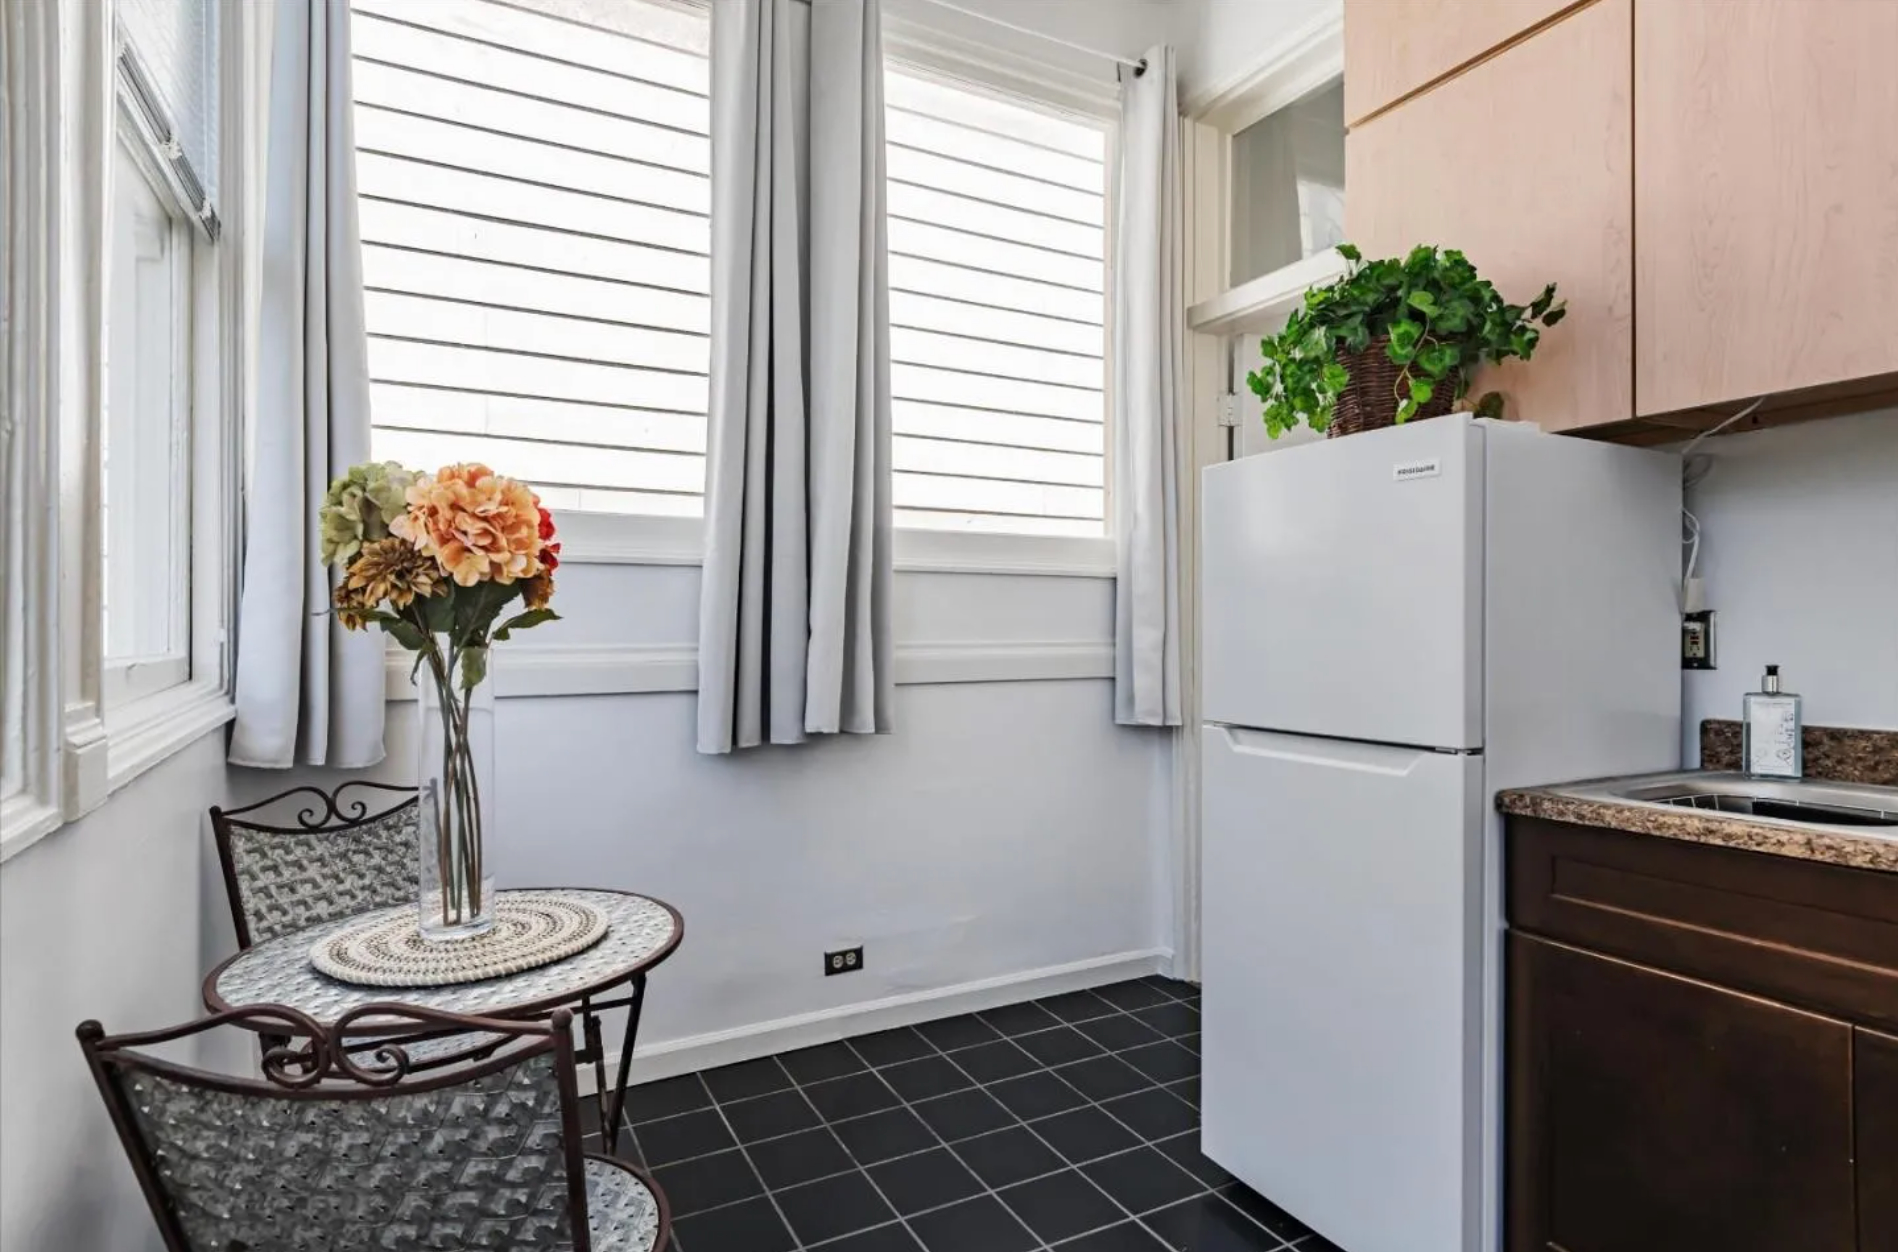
(1771, 731)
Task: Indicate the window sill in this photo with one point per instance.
(146, 733)
(625, 539)
(24, 821)
(539, 670)
(102, 756)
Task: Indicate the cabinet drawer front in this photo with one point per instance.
(1821, 936)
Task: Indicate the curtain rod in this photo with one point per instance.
(1139, 67)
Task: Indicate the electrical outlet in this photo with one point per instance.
(1697, 640)
(843, 961)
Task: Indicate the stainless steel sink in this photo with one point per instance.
(1830, 805)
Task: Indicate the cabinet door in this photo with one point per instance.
(1393, 47)
(1652, 1111)
(1766, 202)
(1875, 1072)
(1524, 163)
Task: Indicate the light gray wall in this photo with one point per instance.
(1221, 41)
(115, 917)
(1001, 830)
(1800, 558)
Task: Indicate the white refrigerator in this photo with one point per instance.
(1396, 625)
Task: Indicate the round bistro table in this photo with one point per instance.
(640, 933)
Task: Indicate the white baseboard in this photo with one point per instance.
(669, 1057)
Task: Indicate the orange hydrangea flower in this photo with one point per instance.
(478, 524)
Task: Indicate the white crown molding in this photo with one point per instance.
(1306, 59)
(529, 670)
(669, 1057)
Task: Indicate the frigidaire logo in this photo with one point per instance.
(1405, 471)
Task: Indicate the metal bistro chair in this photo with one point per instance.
(331, 859)
(335, 1151)
(311, 856)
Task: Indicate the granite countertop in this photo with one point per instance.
(1843, 755)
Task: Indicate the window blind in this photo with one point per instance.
(175, 46)
(997, 234)
(534, 182)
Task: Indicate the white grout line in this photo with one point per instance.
(1041, 1067)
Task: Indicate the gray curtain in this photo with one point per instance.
(1149, 322)
(308, 692)
(794, 606)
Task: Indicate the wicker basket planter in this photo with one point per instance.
(1369, 401)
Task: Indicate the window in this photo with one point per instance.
(1288, 184)
(161, 281)
(146, 442)
(535, 204)
(997, 234)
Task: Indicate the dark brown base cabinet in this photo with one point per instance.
(1703, 1048)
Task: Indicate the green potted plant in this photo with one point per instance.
(1393, 340)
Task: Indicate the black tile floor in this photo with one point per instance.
(1069, 1123)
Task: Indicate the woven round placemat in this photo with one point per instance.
(386, 949)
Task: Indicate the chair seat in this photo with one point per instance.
(622, 1208)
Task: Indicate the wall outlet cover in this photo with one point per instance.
(1697, 640)
(843, 961)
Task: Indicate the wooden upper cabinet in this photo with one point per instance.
(1766, 202)
(1525, 163)
(1393, 47)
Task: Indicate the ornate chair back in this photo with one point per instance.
(307, 856)
(344, 1151)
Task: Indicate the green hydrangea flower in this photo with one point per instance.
(357, 508)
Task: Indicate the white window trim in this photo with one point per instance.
(30, 207)
(78, 752)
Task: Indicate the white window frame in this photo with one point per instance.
(126, 680)
(79, 751)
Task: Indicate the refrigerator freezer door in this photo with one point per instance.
(1342, 1008)
(1342, 587)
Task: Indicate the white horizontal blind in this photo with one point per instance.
(997, 229)
(535, 196)
(176, 41)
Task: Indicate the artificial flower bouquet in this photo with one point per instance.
(435, 561)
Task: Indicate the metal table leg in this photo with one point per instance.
(633, 1006)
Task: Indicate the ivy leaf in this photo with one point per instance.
(474, 667)
(1406, 411)
(1421, 391)
(522, 621)
(1424, 303)
(1438, 359)
(1540, 305)
(404, 633)
(1555, 314)
(1350, 252)
(1336, 377)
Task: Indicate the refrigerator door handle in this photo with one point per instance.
(1390, 760)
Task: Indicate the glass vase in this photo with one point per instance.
(455, 773)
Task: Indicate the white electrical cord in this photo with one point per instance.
(1692, 476)
(1689, 477)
